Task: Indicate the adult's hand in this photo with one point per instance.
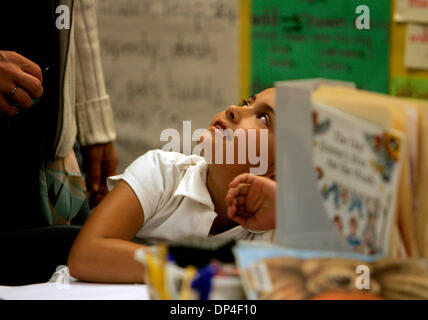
(18, 72)
(99, 163)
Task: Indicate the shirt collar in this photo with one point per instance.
(193, 184)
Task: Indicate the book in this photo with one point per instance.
(409, 117)
(272, 272)
(358, 165)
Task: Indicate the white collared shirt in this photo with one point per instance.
(172, 191)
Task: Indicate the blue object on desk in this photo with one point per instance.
(203, 281)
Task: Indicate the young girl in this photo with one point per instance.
(168, 195)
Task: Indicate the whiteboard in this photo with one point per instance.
(165, 62)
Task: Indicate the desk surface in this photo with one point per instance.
(75, 291)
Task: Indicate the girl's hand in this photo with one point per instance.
(251, 201)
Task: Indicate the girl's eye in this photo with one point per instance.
(264, 117)
(243, 103)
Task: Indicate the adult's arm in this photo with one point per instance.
(94, 115)
(93, 109)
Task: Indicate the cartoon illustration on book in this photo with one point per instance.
(352, 238)
(338, 223)
(386, 148)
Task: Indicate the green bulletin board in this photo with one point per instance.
(298, 39)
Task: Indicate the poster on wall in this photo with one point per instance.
(417, 47)
(319, 39)
(411, 11)
(405, 79)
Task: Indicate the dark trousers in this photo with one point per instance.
(30, 250)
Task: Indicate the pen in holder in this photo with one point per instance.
(169, 280)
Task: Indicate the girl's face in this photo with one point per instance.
(253, 118)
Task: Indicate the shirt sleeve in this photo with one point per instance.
(94, 115)
(151, 177)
